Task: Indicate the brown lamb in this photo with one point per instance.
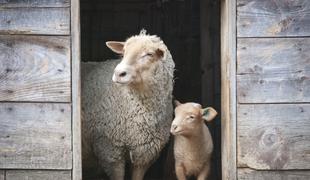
(193, 144)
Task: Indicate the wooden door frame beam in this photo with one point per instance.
(228, 89)
(76, 90)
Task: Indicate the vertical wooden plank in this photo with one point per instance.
(228, 89)
(76, 90)
(210, 78)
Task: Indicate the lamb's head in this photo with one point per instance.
(189, 117)
(141, 55)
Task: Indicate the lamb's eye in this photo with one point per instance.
(190, 118)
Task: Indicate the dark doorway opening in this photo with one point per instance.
(190, 29)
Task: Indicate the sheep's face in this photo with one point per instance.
(189, 117)
(141, 56)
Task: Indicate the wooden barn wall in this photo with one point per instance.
(35, 90)
(273, 89)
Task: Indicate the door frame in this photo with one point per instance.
(76, 90)
(228, 89)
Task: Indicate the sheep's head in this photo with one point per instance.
(189, 117)
(141, 54)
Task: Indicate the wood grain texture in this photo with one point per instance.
(35, 68)
(35, 136)
(248, 174)
(265, 18)
(34, 3)
(228, 89)
(273, 70)
(76, 90)
(50, 21)
(37, 175)
(274, 136)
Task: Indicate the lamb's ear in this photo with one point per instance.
(177, 103)
(116, 46)
(208, 114)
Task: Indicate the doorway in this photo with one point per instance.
(191, 31)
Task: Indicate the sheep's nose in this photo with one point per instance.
(174, 127)
(122, 74)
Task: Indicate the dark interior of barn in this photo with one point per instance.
(191, 31)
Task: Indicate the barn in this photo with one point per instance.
(247, 58)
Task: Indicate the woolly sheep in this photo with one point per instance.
(127, 120)
(193, 144)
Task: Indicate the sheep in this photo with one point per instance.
(127, 106)
(193, 144)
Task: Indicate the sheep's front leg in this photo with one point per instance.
(180, 171)
(138, 172)
(118, 171)
(204, 173)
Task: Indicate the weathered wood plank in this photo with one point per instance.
(76, 90)
(35, 21)
(35, 136)
(228, 89)
(248, 174)
(274, 136)
(37, 175)
(35, 68)
(2, 175)
(34, 3)
(273, 70)
(265, 18)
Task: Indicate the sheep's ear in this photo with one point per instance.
(160, 53)
(116, 46)
(208, 114)
(177, 103)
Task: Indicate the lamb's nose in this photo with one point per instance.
(174, 127)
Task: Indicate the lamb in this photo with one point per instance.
(193, 144)
(127, 106)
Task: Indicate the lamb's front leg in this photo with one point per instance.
(180, 171)
(204, 173)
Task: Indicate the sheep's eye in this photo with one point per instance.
(147, 55)
(191, 116)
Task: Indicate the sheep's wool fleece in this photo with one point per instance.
(120, 124)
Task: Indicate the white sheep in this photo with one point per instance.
(128, 120)
(193, 144)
